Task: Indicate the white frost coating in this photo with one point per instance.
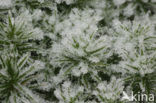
(68, 92)
(79, 22)
(37, 14)
(129, 10)
(68, 2)
(84, 50)
(154, 1)
(5, 3)
(119, 2)
(38, 33)
(109, 91)
(41, 1)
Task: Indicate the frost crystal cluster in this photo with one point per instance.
(77, 51)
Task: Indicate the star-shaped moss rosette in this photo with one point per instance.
(16, 76)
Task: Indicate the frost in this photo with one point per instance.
(5, 3)
(68, 93)
(76, 51)
(38, 33)
(109, 91)
(68, 2)
(129, 10)
(119, 2)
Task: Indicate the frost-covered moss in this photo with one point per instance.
(76, 51)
